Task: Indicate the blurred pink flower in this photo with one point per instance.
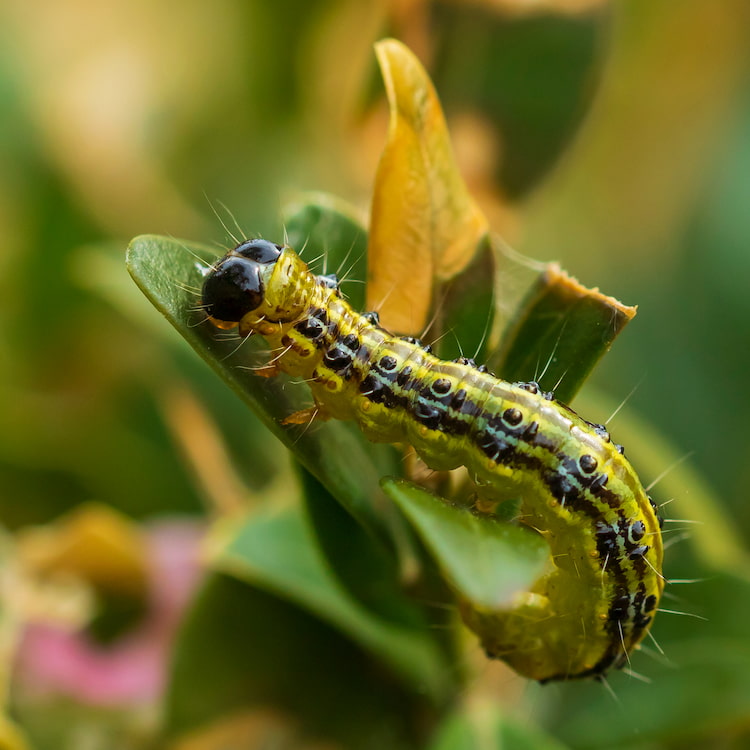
(132, 670)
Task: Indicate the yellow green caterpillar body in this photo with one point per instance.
(598, 599)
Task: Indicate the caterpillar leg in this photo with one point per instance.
(307, 416)
(303, 416)
(268, 371)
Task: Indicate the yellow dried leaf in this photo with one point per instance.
(249, 730)
(537, 7)
(94, 542)
(11, 737)
(424, 225)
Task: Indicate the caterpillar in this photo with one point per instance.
(598, 598)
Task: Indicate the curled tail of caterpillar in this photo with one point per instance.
(597, 599)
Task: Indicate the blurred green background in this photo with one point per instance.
(612, 137)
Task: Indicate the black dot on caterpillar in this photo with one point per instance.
(598, 598)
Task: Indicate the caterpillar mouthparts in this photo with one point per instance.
(597, 601)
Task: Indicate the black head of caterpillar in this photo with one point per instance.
(258, 286)
(236, 285)
(598, 599)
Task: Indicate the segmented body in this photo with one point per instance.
(599, 596)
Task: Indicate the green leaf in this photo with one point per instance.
(242, 649)
(456, 733)
(465, 309)
(485, 561)
(169, 272)
(487, 728)
(559, 333)
(508, 733)
(368, 571)
(277, 552)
